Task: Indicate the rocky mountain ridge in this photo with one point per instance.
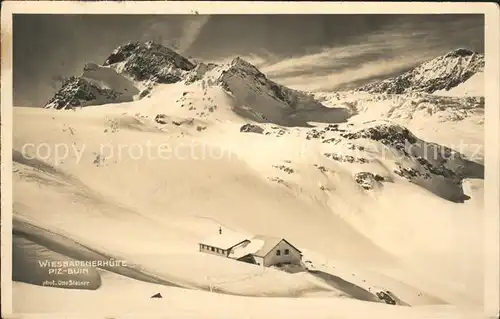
(257, 99)
(149, 61)
(442, 73)
(144, 65)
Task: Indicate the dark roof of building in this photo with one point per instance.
(228, 239)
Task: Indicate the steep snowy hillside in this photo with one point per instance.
(457, 122)
(257, 98)
(95, 86)
(374, 188)
(442, 73)
(334, 199)
(127, 74)
(474, 86)
(140, 67)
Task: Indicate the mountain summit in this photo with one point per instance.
(134, 69)
(128, 73)
(149, 61)
(442, 73)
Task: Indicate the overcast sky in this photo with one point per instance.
(308, 52)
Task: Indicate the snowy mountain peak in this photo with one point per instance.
(127, 70)
(241, 70)
(460, 52)
(123, 52)
(244, 65)
(442, 73)
(149, 61)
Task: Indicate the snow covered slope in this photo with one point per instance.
(457, 122)
(140, 67)
(262, 100)
(474, 86)
(119, 294)
(441, 73)
(358, 181)
(130, 68)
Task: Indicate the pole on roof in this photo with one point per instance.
(220, 230)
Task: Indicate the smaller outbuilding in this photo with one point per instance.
(222, 243)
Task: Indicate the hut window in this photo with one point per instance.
(278, 252)
(287, 251)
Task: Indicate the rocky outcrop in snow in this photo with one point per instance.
(252, 128)
(368, 180)
(441, 73)
(434, 167)
(129, 72)
(284, 168)
(199, 71)
(388, 134)
(149, 61)
(77, 92)
(346, 158)
(259, 82)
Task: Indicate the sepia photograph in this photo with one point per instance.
(250, 160)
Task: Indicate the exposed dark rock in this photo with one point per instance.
(279, 131)
(387, 134)
(368, 180)
(276, 179)
(346, 158)
(411, 173)
(438, 170)
(321, 168)
(315, 134)
(384, 296)
(355, 147)
(150, 61)
(161, 119)
(77, 91)
(144, 93)
(333, 128)
(460, 52)
(331, 140)
(251, 128)
(441, 73)
(284, 168)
